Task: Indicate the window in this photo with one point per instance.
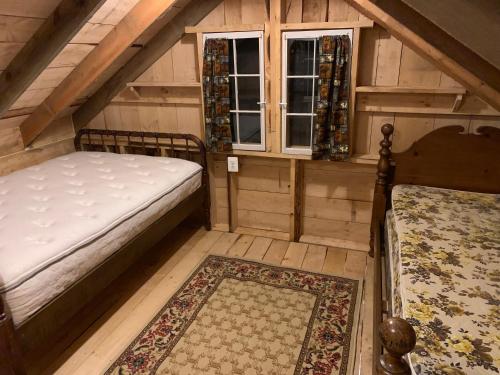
(300, 86)
(246, 74)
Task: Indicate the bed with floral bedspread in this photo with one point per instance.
(444, 252)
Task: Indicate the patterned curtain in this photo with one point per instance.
(331, 128)
(216, 95)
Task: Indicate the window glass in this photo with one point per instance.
(232, 93)
(233, 127)
(246, 89)
(249, 93)
(300, 57)
(250, 128)
(299, 131)
(231, 57)
(300, 87)
(248, 55)
(300, 95)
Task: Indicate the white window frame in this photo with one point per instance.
(308, 34)
(246, 35)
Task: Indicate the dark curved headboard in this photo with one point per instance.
(450, 158)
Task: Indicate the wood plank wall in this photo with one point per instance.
(385, 61)
(166, 109)
(337, 198)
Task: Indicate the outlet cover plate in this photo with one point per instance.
(232, 164)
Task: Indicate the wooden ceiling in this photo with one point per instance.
(55, 55)
(111, 36)
(20, 19)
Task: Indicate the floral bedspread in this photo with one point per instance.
(445, 274)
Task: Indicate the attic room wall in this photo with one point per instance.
(18, 22)
(386, 62)
(336, 196)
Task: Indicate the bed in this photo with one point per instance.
(74, 223)
(436, 242)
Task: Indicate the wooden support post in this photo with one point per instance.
(199, 50)
(296, 193)
(211, 181)
(11, 362)
(232, 197)
(268, 78)
(275, 16)
(52, 36)
(352, 89)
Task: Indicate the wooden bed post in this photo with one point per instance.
(398, 339)
(379, 196)
(11, 362)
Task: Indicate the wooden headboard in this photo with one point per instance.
(449, 158)
(446, 158)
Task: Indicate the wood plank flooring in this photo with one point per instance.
(148, 287)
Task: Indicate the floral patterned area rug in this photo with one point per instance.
(234, 316)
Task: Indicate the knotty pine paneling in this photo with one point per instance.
(337, 197)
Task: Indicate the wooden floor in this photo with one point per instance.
(146, 288)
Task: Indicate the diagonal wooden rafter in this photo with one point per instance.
(165, 39)
(427, 39)
(51, 37)
(97, 61)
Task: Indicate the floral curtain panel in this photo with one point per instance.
(331, 128)
(216, 95)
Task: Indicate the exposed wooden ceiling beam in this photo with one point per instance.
(96, 62)
(437, 46)
(165, 39)
(50, 38)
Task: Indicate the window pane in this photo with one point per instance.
(248, 55)
(316, 61)
(250, 128)
(300, 57)
(249, 93)
(232, 93)
(299, 92)
(231, 56)
(298, 131)
(233, 126)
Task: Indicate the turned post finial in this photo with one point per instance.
(398, 338)
(385, 153)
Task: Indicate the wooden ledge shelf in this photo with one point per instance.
(158, 101)
(411, 90)
(327, 25)
(164, 84)
(458, 92)
(264, 154)
(355, 159)
(369, 159)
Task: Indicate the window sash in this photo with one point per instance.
(301, 35)
(232, 37)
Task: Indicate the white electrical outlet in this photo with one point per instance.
(232, 164)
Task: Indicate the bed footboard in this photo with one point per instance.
(10, 354)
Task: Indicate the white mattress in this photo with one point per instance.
(62, 218)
